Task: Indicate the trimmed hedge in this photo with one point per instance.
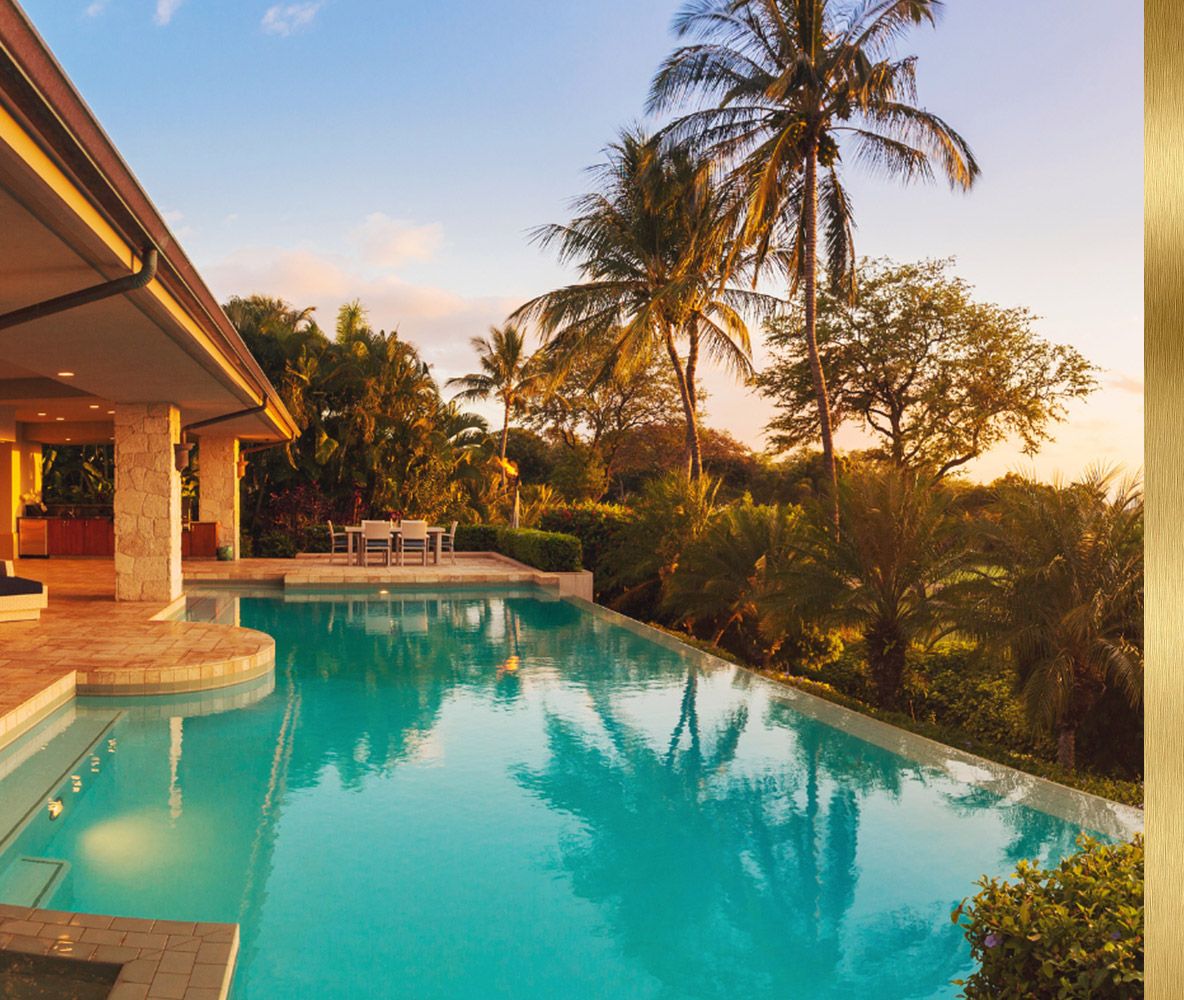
(1072, 931)
(549, 551)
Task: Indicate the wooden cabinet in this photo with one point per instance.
(81, 536)
(200, 540)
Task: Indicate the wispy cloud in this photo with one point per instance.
(95, 8)
(387, 243)
(439, 322)
(1125, 383)
(285, 18)
(165, 9)
(177, 225)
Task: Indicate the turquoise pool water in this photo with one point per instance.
(481, 794)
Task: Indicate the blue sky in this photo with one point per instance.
(399, 152)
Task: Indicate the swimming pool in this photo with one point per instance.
(482, 793)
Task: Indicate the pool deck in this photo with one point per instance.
(157, 959)
(87, 643)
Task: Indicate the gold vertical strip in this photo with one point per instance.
(1164, 470)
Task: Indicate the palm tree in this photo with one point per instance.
(788, 86)
(1065, 598)
(655, 248)
(508, 373)
(720, 574)
(890, 574)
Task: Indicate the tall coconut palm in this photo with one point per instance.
(655, 247)
(787, 87)
(509, 373)
(1064, 599)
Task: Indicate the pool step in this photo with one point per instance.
(32, 881)
(34, 767)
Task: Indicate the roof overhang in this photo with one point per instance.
(73, 215)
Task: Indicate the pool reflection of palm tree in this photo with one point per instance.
(395, 662)
(756, 880)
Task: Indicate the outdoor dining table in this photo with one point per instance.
(353, 533)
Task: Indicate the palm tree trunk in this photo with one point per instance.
(505, 441)
(693, 460)
(820, 394)
(1067, 747)
(694, 453)
(886, 649)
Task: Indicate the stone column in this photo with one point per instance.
(147, 502)
(217, 478)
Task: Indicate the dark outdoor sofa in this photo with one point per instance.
(21, 599)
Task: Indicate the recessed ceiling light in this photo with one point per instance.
(109, 412)
(65, 374)
(59, 418)
(69, 439)
(41, 413)
(94, 406)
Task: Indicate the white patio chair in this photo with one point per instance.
(413, 537)
(338, 543)
(376, 537)
(448, 542)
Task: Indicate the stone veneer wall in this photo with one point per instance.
(217, 474)
(147, 502)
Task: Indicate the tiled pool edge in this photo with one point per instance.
(1077, 807)
(227, 665)
(158, 959)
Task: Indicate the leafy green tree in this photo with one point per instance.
(509, 374)
(787, 87)
(532, 453)
(579, 474)
(1063, 599)
(655, 249)
(937, 377)
(890, 574)
(589, 403)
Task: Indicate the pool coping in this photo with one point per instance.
(158, 959)
(1106, 816)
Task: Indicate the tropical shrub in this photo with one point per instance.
(579, 474)
(953, 686)
(600, 527)
(1063, 598)
(720, 575)
(1073, 931)
(670, 514)
(275, 545)
(887, 575)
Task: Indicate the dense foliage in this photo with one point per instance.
(377, 438)
(1073, 931)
